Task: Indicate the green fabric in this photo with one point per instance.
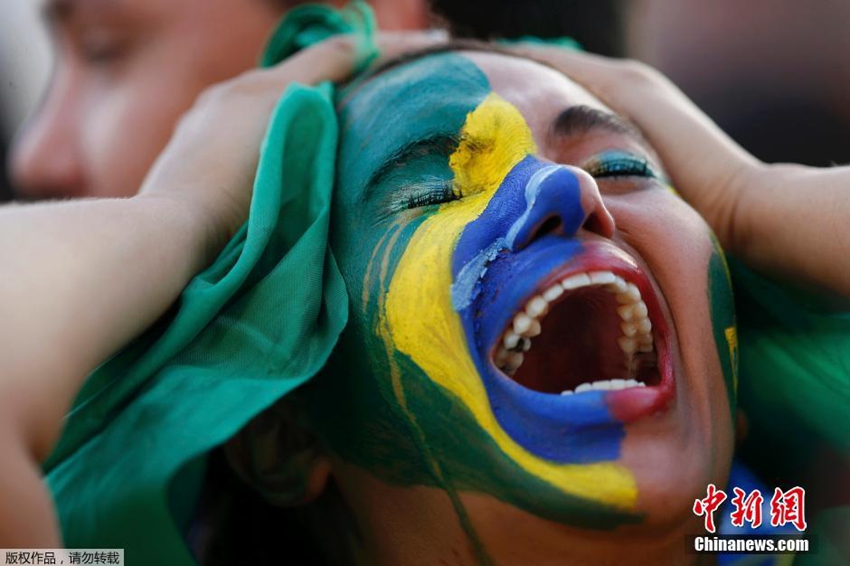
(563, 42)
(794, 365)
(794, 387)
(265, 316)
(258, 323)
(309, 24)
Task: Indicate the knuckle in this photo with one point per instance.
(252, 77)
(212, 94)
(186, 123)
(237, 85)
(339, 44)
(240, 85)
(637, 72)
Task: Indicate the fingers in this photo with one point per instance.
(331, 60)
(595, 72)
(393, 44)
(336, 58)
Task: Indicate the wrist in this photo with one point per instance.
(194, 226)
(765, 209)
(731, 209)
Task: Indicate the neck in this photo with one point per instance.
(415, 526)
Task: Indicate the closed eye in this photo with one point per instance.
(612, 164)
(431, 192)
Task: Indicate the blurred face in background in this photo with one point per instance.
(125, 71)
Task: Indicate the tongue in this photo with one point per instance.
(578, 344)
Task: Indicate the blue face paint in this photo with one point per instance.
(498, 263)
(403, 397)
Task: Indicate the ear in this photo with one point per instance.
(278, 456)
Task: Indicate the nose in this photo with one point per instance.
(560, 200)
(46, 159)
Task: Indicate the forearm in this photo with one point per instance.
(27, 516)
(80, 280)
(793, 221)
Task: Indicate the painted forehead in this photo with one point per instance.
(427, 98)
(537, 90)
(430, 98)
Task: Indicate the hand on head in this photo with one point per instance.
(211, 160)
(779, 218)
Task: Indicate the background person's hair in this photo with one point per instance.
(596, 24)
(247, 515)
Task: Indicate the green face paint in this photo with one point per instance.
(374, 405)
(723, 321)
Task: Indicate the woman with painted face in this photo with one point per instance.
(493, 224)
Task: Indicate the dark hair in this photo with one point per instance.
(454, 45)
(596, 24)
(237, 527)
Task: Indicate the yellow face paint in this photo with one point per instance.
(422, 323)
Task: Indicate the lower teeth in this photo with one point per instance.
(606, 385)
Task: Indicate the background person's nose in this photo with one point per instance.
(561, 200)
(46, 161)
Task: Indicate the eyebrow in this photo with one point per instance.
(581, 119)
(438, 144)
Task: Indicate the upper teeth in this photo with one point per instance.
(636, 327)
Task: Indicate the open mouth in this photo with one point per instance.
(595, 325)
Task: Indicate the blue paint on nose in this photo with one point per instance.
(552, 194)
(527, 232)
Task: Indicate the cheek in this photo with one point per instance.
(673, 239)
(131, 113)
(680, 250)
(128, 123)
(419, 316)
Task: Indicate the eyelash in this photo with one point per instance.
(102, 51)
(430, 194)
(603, 167)
(438, 192)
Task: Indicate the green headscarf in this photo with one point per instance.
(255, 325)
